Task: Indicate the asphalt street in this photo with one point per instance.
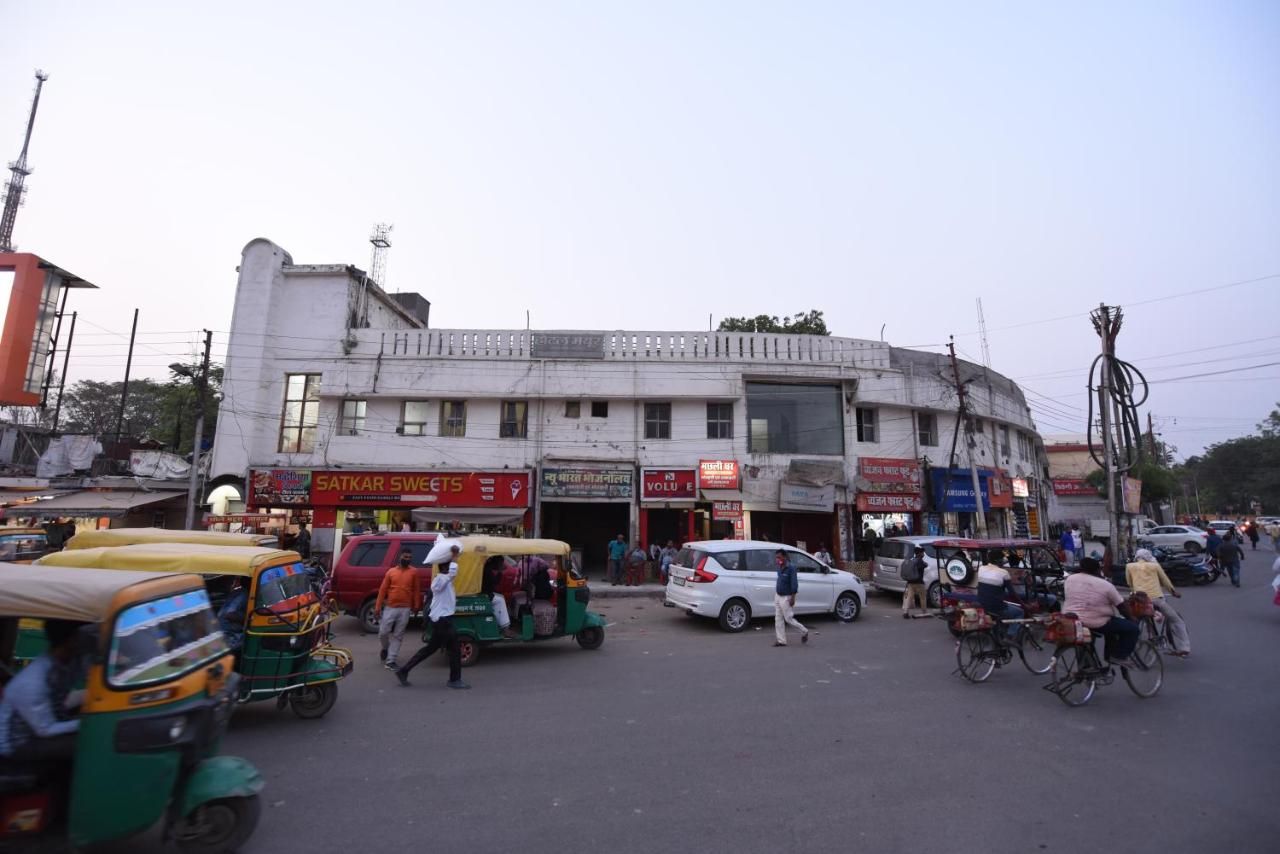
(678, 737)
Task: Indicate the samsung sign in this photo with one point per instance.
(955, 495)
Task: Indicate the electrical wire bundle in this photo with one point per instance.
(1124, 381)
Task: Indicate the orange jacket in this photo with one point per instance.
(401, 588)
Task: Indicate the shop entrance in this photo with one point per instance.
(664, 525)
(588, 528)
(811, 529)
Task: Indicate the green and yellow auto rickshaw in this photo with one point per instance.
(542, 606)
(158, 691)
(286, 653)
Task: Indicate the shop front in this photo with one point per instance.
(805, 518)
(721, 510)
(889, 501)
(340, 501)
(668, 505)
(587, 507)
(954, 499)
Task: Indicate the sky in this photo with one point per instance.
(662, 165)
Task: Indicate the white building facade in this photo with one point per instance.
(341, 404)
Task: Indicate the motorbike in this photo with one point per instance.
(1184, 567)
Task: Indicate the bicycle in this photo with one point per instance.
(985, 644)
(1078, 671)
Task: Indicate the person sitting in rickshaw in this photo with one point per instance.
(37, 713)
(490, 585)
(994, 586)
(231, 615)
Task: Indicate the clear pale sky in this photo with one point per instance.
(647, 165)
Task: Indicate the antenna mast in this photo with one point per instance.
(16, 187)
(381, 241)
(982, 328)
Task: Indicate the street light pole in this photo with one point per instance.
(201, 382)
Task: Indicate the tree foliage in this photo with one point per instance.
(1231, 475)
(805, 323)
(163, 412)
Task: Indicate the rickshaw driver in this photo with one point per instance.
(36, 717)
(994, 583)
(231, 616)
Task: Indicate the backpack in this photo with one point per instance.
(912, 572)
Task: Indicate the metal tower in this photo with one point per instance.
(381, 240)
(16, 187)
(982, 330)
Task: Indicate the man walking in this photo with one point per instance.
(1068, 545)
(444, 601)
(1077, 544)
(1229, 556)
(784, 599)
(617, 554)
(399, 595)
(913, 573)
(302, 542)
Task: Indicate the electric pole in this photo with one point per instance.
(980, 515)
(201, 382)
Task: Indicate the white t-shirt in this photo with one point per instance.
(1077, 541)
(444, 600)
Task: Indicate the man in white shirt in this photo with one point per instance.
(444, 602)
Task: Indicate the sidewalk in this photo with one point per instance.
(601, 589)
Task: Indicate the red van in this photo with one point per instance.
(364, 561)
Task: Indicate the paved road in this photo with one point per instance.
(675, 736)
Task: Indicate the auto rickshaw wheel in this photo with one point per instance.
(313, 701)
(468, 650)
(592, 637)
(219, 827)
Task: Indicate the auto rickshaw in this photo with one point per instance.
(286, 653)
(159, 690)
(1033, 565)
(474, 619)
(138, 536)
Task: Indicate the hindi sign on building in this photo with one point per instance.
(717, 474)
(888, 470)
(727, 511)
(588, 483)
(279, 487)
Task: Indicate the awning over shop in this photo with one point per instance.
(472, 515)
(95, 503)
(10, 496)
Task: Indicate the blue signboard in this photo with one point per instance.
(955, 495)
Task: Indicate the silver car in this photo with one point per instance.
(886, 571)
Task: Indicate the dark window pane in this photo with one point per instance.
(795, 419)
(370, 554)
(760, 560)
(599, 409)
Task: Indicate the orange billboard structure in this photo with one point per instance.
(29, 307)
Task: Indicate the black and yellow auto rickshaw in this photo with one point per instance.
(159, 689)
(541, 610)
(23, 545)
(286, 653)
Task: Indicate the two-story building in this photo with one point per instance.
(341, 403)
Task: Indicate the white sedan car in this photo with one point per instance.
(1183, 538)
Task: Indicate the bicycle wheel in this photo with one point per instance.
(975, 656)
(1036, 653)
(1146, 678)
(1072, 680)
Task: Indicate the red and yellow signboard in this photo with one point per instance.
(717, 474)
(274, 487)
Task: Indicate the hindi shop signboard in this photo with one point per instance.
(279, 487)
(875, 502)
(718, 474)
(1074, 486)
(610, 484)
(668, 484)
(888, 470)
(726, 511)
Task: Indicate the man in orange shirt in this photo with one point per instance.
(398, 597)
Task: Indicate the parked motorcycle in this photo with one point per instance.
(1184, 567)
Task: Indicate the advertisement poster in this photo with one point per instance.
(279, 487)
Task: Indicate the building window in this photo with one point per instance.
(1024, 446)
(1004, 441)
(977, 426)
(352, 417)
(866, 424)
(719, 420)
(927, 427)
(413, 418)
(515, 419)
(572, 409)
(301, 413)
(657, 421)
(599, 409)
(789, 418)
(453, 418)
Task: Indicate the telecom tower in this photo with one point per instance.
(16, 187)
(381, 240)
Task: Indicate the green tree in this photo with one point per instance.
(805, 323)
(1270, 428)
(163, 412)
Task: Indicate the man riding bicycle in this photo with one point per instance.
(1145, 575)
(994, 586)
(1096, 602)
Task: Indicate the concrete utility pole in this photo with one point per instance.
(980, 515)
(1107, 326)
(201, 383)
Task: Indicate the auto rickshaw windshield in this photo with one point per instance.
(23, 546)
(161, 639)
(278, 583)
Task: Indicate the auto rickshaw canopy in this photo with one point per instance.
(244, 561)
(89, 596)
(476, 550)
(136, 536)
